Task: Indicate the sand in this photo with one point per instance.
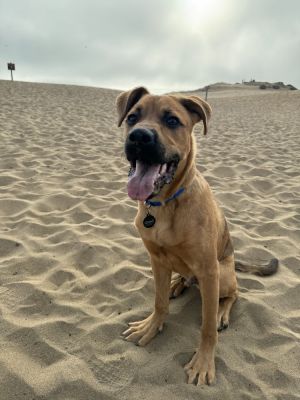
(74, 271)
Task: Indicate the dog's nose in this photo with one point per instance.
(141, 136)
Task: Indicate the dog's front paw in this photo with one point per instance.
(143, 331)
(201, 369)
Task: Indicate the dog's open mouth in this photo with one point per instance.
(146, 181)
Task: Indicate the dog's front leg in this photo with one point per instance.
(143, 331)
(202, 365)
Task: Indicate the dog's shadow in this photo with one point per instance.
(186, 308)
(186, 314)
(183, 322)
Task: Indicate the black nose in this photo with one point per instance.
(141, 136)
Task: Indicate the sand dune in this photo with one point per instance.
(74, 271)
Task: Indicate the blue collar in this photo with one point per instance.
(162, 203)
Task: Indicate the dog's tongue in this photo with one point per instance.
(141, 183)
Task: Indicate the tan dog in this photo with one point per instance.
(178, 218)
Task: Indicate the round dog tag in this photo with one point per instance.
(149, 221)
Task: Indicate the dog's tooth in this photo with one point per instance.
(163, 169)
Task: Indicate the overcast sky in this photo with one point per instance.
(163, 44)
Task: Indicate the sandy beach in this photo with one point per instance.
(74, 270)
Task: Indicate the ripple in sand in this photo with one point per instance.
(7, 180)
(250, 284)
(36, 346)
(9, 247)
(10, 207)
(61, 276)
(223, 172)
(114, 372)
(263, 186)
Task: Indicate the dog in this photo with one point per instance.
(178, 218)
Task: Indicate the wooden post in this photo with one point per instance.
(206, 92)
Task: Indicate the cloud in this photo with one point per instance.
(165, 44)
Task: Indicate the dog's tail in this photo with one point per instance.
(262, 270)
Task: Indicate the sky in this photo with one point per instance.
(162, 44)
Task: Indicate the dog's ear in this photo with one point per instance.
(126, 100)
(199, 109)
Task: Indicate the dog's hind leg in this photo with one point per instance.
(228, 291)
(179, 284)
(224, 311)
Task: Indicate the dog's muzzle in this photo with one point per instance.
(150, 168)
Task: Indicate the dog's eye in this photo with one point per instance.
(172, 122)
(132, 119)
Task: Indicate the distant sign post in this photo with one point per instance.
(11, 67)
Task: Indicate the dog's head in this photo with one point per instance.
(158, 136)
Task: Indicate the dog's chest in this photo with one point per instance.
(164, 232)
